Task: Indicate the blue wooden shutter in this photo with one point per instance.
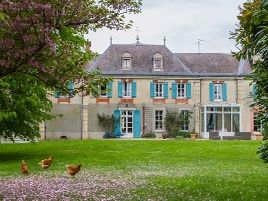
(57, 94)
(70, 85)
(188, 90)
(117, 123)
(120, 89)
(224, 92)
(152, 90)
(110, 89)
(134, 89)
(174, 90)
(165, 90)
(137, 124)
(254, 89)
(211, 92)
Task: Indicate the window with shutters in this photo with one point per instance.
(217, 92)
(181, 90)
(126, 90)
(103, 91)
(159, 120)
(159, 90)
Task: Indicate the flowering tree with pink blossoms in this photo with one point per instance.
(42, 41)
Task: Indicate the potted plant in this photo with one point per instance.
(194, 135)
(107, 122)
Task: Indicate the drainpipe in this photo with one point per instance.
(143, 119)
(200, 102)
(45, 130)
(236, 90)
(82, 108)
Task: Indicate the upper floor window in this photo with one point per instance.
(126, 89)
(126, 61)
(181, 90)
(103, 91)
(158, 62)
(159, 90)
(218, 92)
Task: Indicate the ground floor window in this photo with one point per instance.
(257, 127)
(185, 122)
(221, 118)
(159, 120)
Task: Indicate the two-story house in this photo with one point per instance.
(148, 81)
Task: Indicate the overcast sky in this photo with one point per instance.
(183, 22)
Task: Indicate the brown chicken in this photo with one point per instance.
(46, 163)
(24, 167)
(73, 169)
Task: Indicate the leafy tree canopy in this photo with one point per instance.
(42, 47)
(252, 37)
(44, 38)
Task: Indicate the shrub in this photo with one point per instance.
(106, 122)
(184, 134)
(178, 137)
(149, 134)
(108, 135)
(263, 151)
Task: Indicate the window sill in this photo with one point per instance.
(102, 100)
(159, 100)
(181, 100)
(126, 100)
(64, 100)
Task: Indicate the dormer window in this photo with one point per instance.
(126, 61)
(158, 62)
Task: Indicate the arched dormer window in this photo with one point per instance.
(126, 61)
(158, 62)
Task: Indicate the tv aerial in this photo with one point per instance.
(199, 44)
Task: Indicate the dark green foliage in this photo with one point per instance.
(184, 134)
(263, 151)
(173, 122)
(251, 35)
(107, 122)
(108, 135)
(149, 134)
(24, 104)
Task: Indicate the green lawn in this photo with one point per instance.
(161, 169)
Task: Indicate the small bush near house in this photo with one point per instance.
(263, 151)
(184, 134)
(178, 137)
(165, 135)
(108, 135)
(149, 134)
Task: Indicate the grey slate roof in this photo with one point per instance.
(192, 64)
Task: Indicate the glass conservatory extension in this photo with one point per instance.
(223, 119)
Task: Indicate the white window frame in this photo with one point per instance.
(126, 63)
(158, 61)
(217, 92)
(259, 125)
(126, 90)
(184, 125)
(181, 93)
(159, 90)
(160, 120)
